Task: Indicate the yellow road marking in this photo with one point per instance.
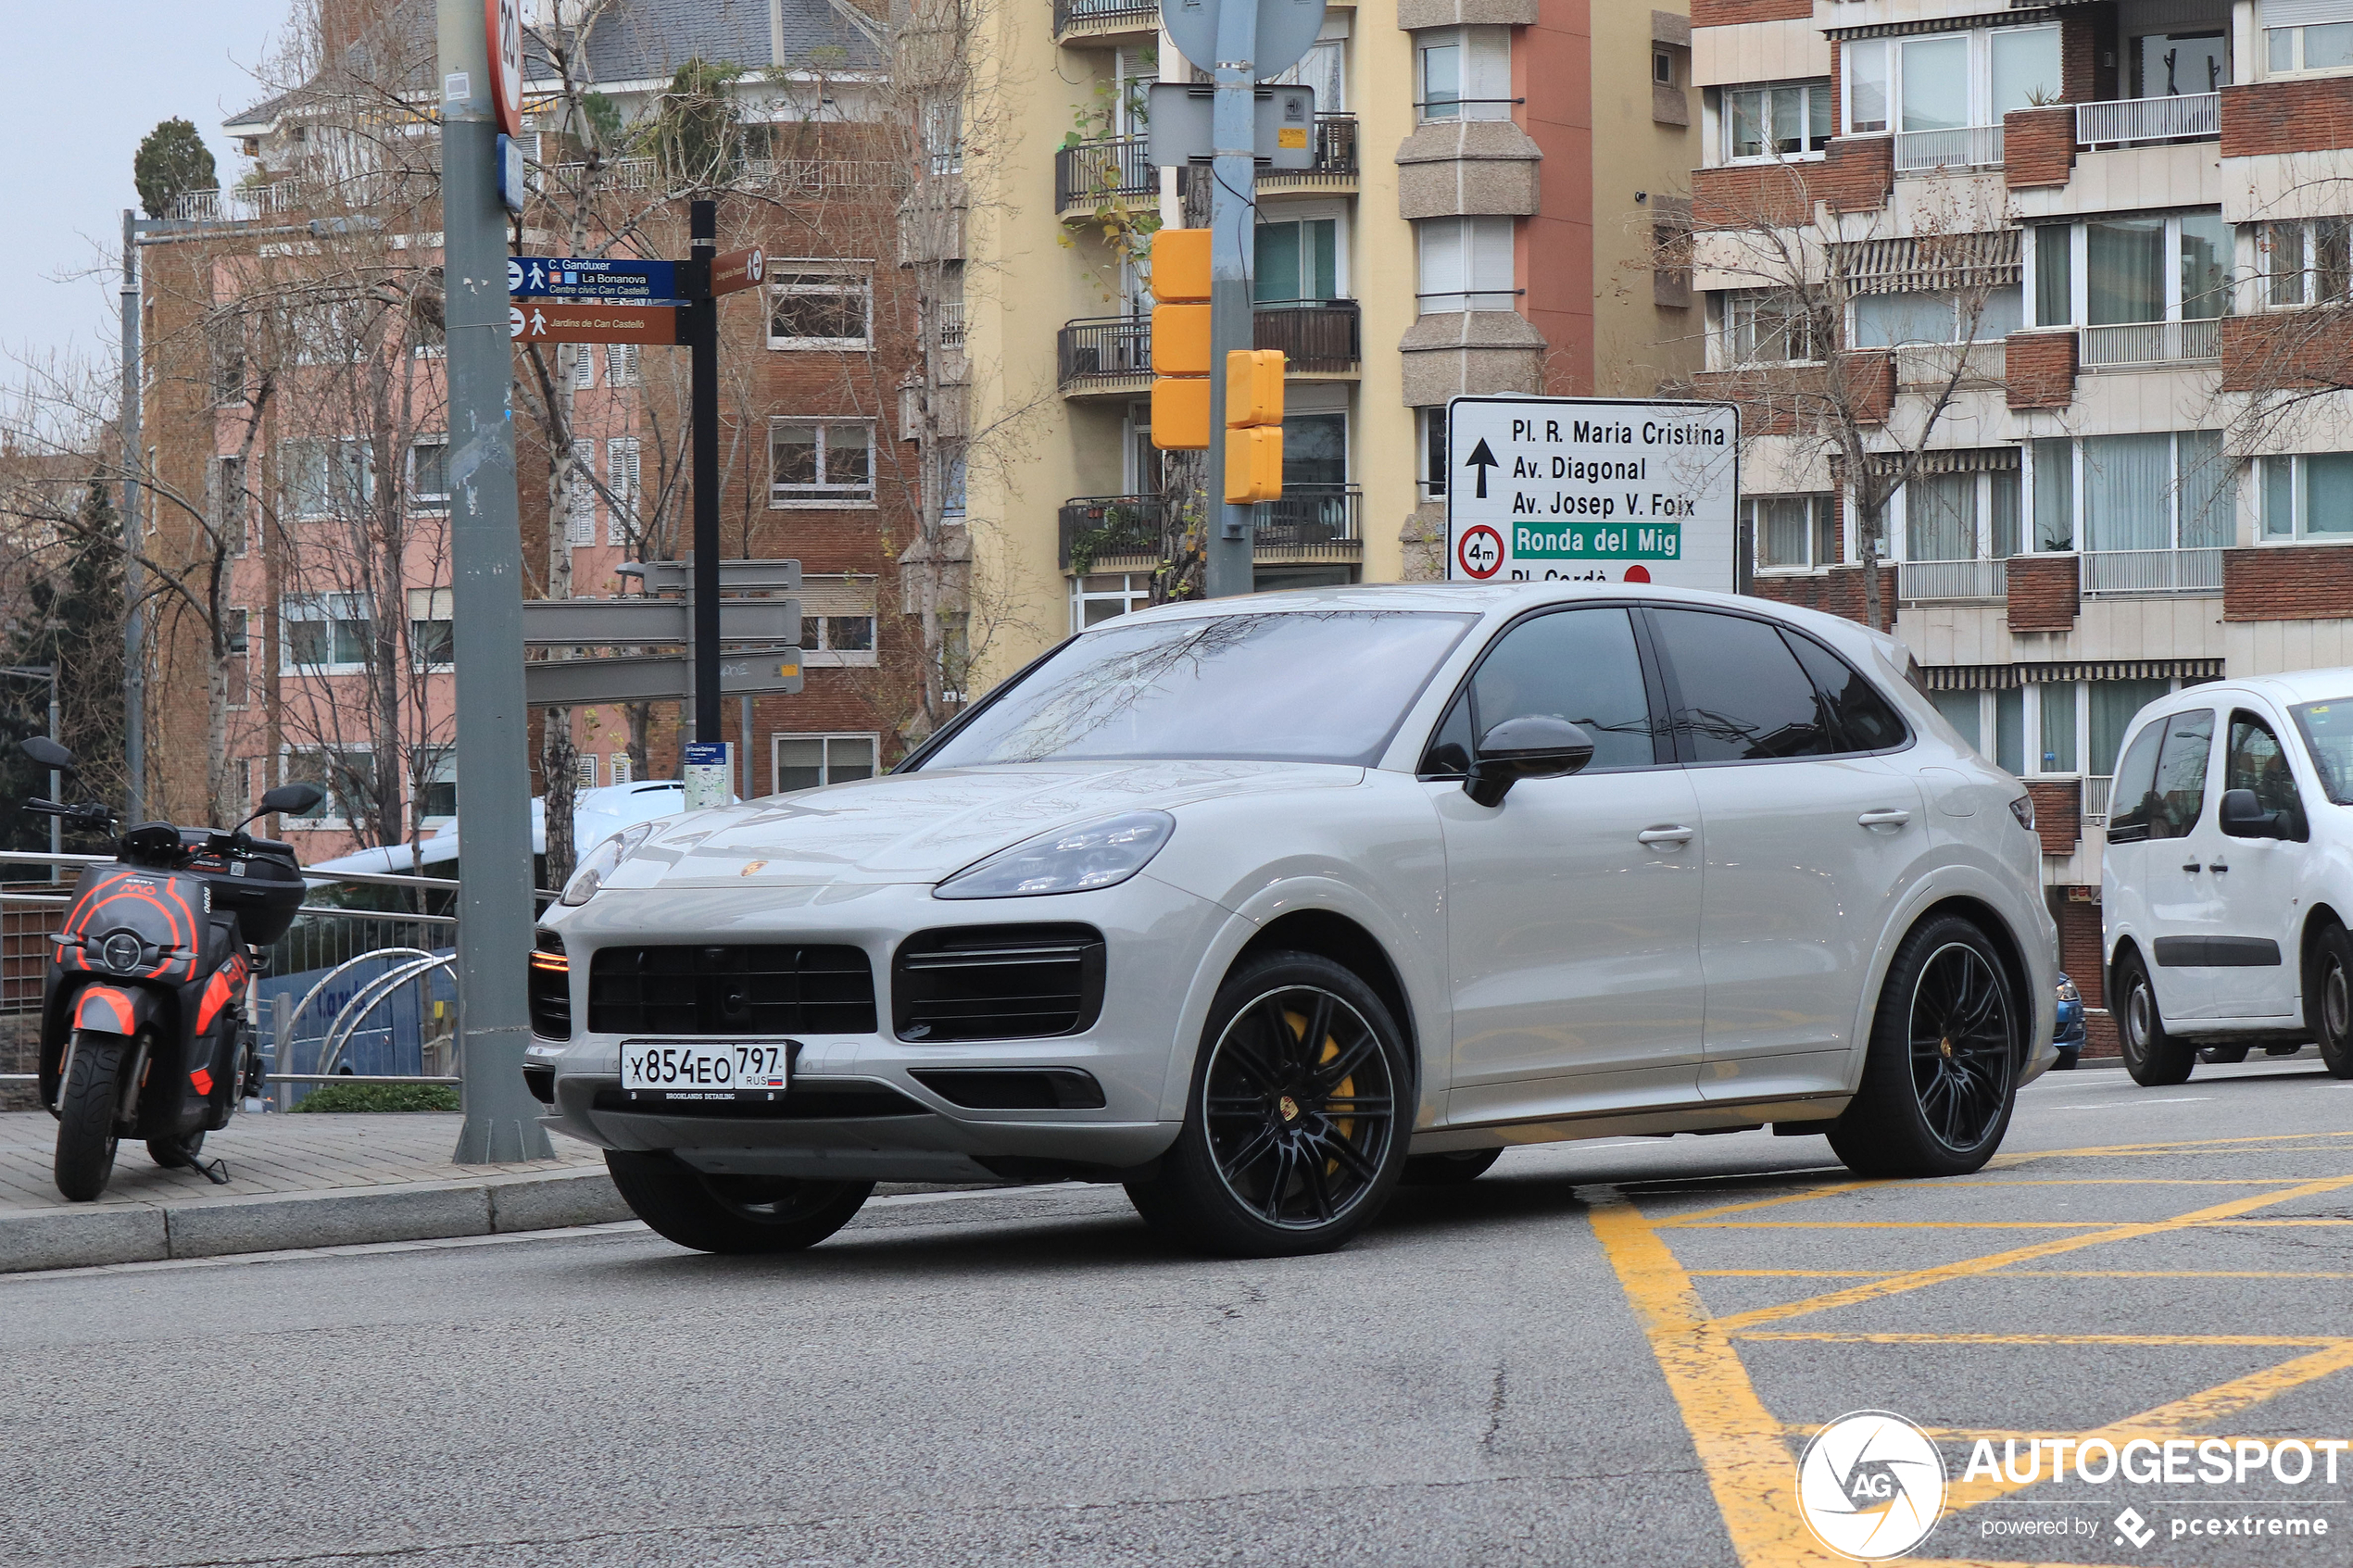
(1892, 1224)
(1828, 1189)
(2023, 1273)
(1831, 1336)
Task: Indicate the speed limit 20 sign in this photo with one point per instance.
(502, 19)
(1592, 490)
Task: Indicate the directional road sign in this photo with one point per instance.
(533, 322)
(1285, 30)
(583, 277)
(1180, 131)
(654, 622)
(1592, 490)
(581, 683)
(737, 269)
(778, 576)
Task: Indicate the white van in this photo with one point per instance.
(2228, 880)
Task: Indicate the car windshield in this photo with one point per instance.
(1324, 686)
(2327, 728)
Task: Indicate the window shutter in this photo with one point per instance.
(2300, 13)
(1491, 259)
(580, 509)
(620, 478)
(623, 768)
(584, 366)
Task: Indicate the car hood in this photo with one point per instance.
(921, 827)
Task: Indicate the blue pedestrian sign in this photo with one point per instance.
(579, 277)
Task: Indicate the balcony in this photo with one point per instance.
(1931, 582)
(1106, 355)
(2097, 790)
(1318, 337)
(2137, 344)
(2152, 571)
(1312, 522)
(1090, 174)
(1335, 167)
(1090, 21)
(1931, 366)
(1963, 147)
(2123, 121)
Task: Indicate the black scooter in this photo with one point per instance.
(143, 1027)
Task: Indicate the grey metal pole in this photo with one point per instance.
(743, 729)
(56, 786)
(1232, 209)
(495, 914)
(134, 638)
(703, 314)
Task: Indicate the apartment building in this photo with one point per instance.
(2065, 283)
(297, 406)
(1493, 184)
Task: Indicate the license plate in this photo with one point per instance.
(705, 1069)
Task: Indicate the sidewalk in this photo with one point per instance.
(293, 1181)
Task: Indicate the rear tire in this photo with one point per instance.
(2328, 1008)
(2155, 1059)
(87, 1104)
(1942, 1074)
(1453, 1170)
(732, 1213)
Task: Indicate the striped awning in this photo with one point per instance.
(1942, 24)
(2002, 677)
(1929, 263)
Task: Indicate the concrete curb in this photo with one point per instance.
(84, 1236)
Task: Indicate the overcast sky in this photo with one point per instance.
(91, 80)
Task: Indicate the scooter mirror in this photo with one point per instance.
(299, 798)
(47, 752)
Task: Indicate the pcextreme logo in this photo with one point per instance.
(1871, 1485)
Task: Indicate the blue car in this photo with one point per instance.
(2070, 1035)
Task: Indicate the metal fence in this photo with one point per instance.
(2120, 120)
(2097, 788)
(1315, 521)
(1927, 580)
(2152, 571)
(1093, 172)
(1105, 15)
(1096, 528)
(1315, 335)
(2151, 343)
(1964, 146)
(1104, 350)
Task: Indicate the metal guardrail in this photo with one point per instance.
(1926, 579)
(1315, 335)
(1090, 173)
(1320, 520)
(2097, 789)
(1104, 350)
(2151, 343)
(1965, 147)
(1985, 363)
(1107, 15)
(2121, 121)
(2152, 571)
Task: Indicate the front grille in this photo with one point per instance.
(550, 988)
(731, 990)
(996, 983)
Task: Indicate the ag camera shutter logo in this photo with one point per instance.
(1871, 1485)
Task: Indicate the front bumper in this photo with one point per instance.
(856, 1109)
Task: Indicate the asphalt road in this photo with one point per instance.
(1600, 1353)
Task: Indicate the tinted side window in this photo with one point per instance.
(2256, 762)
(2178, 795)
(1866, 723)
(2133, 792)
(1579, 665)
(1743, 696)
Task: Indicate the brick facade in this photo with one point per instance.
(1774, 400)
(1838, 591)
(2286, 349)
(1867, 380)
(2287, 583)
(2039, 147)
(1732, 13)
(2044, 593)
(1752, 195)
(1857, 173)
(2059, 813)
(2299, 115)
(2040, 367)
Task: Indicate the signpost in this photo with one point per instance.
(535, 322)
(1180, 126)
(610, 624)
(1592, 490)
(778, 576)
(737, 269)
(612, 280)
(657, 677)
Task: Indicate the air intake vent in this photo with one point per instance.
(996, 983)
(550, 988)
(779, 990)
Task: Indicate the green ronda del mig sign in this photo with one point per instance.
(1592, 490)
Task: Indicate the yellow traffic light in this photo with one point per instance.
(1180, 339)
(1180, 413)
(1255, 464)
(1181, 266)
(1253, 388)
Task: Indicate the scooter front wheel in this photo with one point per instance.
(88, 1103)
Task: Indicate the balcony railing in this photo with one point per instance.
(1313, 520)
(1931, 364)
(1318, 522)
(951, 330)
(1103, 350)
(1335, 158)
(1968, 146)
(2152, 571)
(2121, 121)
(1096, 528)
(1315, 335)
(1916, 581)
(241, 203)
(2097, 790)
(1091, 173)
(2152, 343)
(1105, 15)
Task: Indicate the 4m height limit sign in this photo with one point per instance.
(1592, 490)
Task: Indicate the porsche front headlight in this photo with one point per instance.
(1075, 859)
(602, 861)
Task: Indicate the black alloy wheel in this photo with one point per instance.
(1962, 1050)
(2152, 1055)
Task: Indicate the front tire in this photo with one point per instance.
(1942, 1074)
(732, 1213)
(88, 1103)
(1296, 1127)
(2153, 1057)
(2328, 1011)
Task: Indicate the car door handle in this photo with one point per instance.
(1889, 817)
(2193, 866)
(2218, 866)
(1656, 836)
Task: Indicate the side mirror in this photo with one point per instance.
(1537, 747)
(2240, 815)
(47, 752)
(299, 798)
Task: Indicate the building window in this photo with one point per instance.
(1662, 68)
(1948, 80)
(2313, 46)
(1465, 73)
(237, 635)
(622, 768)
(436, 801)
(576, 365)
(432, 620)
(622, 364)
(1465, 264)
(225, 337)
(428, 472)
(1100, 595)
(1949, 517)
(837, 633)
(1793, 533)
(1296, 260)
(827, 464)
(1789, 120)
(1884, 321)
(814, 305)
(324, 634)
(2156, 492)
(1992, 722)
(1433, 452)
(1768, 326)
(812, 762)
(328, 477)
(943, 126)
(2307, 496)
(347, 772)
(2307, 261)
(580, 492)
(583, 768)
(621, 479)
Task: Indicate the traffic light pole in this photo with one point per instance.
(1232, 207)
(495, 914)
(703, 235)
